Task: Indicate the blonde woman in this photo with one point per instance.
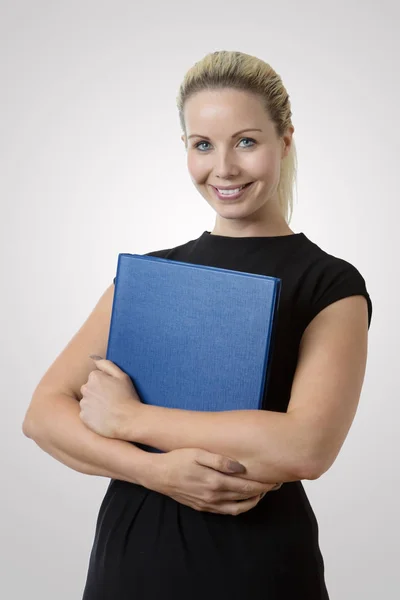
(198, 521)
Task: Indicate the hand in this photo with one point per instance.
(204, 481)
(109, 399)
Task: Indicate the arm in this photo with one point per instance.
(269, 444)
(53, 423)
(300, 444)
(52, 419)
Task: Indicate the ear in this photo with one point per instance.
(183, 138)
(287, 140)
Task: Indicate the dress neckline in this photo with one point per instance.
(210, 237)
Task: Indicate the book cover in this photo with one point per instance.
(192, 336)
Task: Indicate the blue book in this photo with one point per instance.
(192, 336)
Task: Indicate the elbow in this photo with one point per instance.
(27, 428)
(34, 419)
(315, 468)
(310, 469)
(310, 472)
(29, 425)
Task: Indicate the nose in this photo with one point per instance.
(225, 166)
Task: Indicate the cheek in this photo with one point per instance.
(264, 166)
(196, 168)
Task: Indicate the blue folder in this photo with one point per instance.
(192, 336)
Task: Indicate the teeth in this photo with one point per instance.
(230, 192)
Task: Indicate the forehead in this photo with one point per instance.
(223, 110)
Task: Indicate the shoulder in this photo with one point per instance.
(326, 278)
(323, 268)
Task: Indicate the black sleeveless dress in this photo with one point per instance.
(150, 547)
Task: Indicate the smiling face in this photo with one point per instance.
(231, 141)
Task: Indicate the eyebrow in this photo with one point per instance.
(234, 135)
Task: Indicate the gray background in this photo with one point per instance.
(92, 165)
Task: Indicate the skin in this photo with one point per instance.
(221, 160)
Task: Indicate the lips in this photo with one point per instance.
(232, 197)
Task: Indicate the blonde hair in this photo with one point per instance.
(236, 70)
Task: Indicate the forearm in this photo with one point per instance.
(54, 424)
(271, 445)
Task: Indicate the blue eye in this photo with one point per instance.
(204, 142)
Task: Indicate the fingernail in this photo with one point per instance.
(95, 357)
(236, 467)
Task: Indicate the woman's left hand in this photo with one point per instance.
(109, 400)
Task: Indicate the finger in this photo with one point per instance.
(277, 487)
(273, 489)
(107, 366)
(218, 462)
(236, 508)
(244, 491)
(235, 483)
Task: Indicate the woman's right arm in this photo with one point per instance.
(52, 419)
(54, 424)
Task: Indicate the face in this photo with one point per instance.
(219, 156)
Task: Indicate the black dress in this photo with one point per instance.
(150, 547)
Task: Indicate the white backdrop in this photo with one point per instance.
(92, 165)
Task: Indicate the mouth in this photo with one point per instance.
(231, 194)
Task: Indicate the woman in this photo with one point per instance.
(198, 521)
